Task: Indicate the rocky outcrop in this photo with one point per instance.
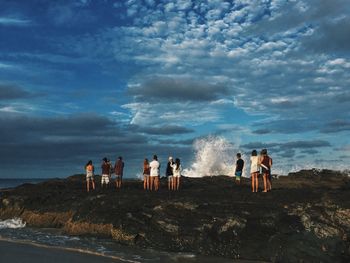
(305, 218)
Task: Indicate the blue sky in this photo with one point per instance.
(81, 80)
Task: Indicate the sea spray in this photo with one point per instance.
(12, 223)
(214, 155)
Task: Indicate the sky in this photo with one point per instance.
(84, 79)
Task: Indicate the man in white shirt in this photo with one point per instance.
(154, 175)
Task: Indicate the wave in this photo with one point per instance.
(214, 155)
(12, 223)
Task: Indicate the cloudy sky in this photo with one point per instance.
(84, 79)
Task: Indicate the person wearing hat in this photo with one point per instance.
(106, 169)
(169, 173)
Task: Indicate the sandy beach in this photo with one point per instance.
(22, 252)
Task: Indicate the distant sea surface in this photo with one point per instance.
(13, 182)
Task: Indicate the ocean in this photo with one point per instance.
(15, 230)
(13, 182)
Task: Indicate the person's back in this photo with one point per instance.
(105, 168)
(169, 168)
(154, 165)
(119, 167)
(254, 164)
(266, 162)
(239, 165)
(177, 170)
(89, 168)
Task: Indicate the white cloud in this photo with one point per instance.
(13, 21)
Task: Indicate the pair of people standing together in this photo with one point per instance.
(107, 171)
(151, 173)
(173, 173)
(263, 162)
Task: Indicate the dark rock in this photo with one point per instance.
(305, 218)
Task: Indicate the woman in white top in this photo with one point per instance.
(154, 173)
(176, 174)
(254, 170)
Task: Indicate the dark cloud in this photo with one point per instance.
(288, 154)
(330, 36)
(305, 144)
(259, 145)
(162, 130)
(336, 126)
(286, 126)
(63, 144)
(262, 131)
(171, 89)
(310, 151)
(288, 146)
(12, 92)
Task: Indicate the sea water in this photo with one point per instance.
(16, 230)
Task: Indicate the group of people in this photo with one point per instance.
(107, 171)
(151, 174)
(259, 165)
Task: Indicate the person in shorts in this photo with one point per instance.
(176, 174)
(146, 172)
(169, 173)
(106, 170)
(239, 168)
(89, 168)
(154, 174)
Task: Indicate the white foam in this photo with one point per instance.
(214, 155)
(12, 223)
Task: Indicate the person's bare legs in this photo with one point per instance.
(177, 183)
(156, 183)
(265, 182)
(151, 182)
(144, 182)
(253, 181)
(87, 185)
(169, 183)
(256, 182)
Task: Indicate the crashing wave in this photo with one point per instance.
(12, 223)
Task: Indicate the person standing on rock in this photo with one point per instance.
(239, 168)
(106, 170)
(266, 163)
(154, 174)
(146, 172)
(176, 174)
(169, 173)
(254, 170)
(89, 168)
(119, 169)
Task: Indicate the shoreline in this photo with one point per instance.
(31, 252)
